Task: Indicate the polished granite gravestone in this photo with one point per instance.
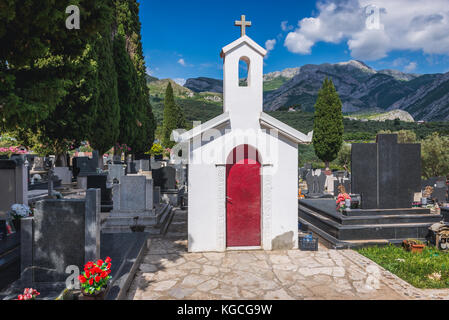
(165, 178)
(13, 184)
(315, 185)
(83, 166)
(62, 233)
(341, 181)
(363, 227)
(386, 174)
(440, 191)
(116, 172)
(99, 181)
(64, 174)
(9, 255)
(135, 208)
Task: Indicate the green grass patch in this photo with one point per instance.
(427, 270)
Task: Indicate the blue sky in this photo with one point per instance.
(183, 39)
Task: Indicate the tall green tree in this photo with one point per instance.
(328, 123)
(128, 25)
(34, 46)
(435, 156)
(106, 130)
(173, 117)
(128, 92)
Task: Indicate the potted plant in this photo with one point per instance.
(28, 294)
(17, 212)
(413, 245)
(343, 199)
(157, 151)
(94, 279)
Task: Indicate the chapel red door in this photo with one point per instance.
(243, 201)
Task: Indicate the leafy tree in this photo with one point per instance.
(435, 156)
(404, 136)
(173, 117)
(128, 25)
(344, 156)
(128, 91)
(328, 123)
(106, 130)
(34, 47)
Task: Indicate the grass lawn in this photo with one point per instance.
(430, 269)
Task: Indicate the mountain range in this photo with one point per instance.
(360, 87)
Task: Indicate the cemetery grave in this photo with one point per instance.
(110, 218)
(387, 176)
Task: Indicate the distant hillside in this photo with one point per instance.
(361, 89)
(390, 115)
(203, 84)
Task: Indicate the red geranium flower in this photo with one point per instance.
(82, 279)
(107, 260)
(91, 281)
(100, 263)
(97, 279)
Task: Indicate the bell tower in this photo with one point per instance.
(243, 99)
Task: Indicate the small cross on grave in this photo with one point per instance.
(243, 24)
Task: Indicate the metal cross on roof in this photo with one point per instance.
(242, 24)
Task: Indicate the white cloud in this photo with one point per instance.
(402, 25)
(180, 81)
(285, 26)
(269, 44)
(410, 67)
(182, 62)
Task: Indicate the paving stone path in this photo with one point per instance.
(168, 271)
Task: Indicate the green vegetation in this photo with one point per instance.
(59, 86)
(429, 269)
(435, 156)
(328, 125)
(173, 117)
(274, 84)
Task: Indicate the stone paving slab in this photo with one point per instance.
(168, 272)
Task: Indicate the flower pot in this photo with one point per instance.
(98, 295)
(413, 247)
(417, 248)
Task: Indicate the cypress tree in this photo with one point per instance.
(128, 24)
(173, 117)
(106, 130)
(35, 45)
(128, 92)
(328, 123)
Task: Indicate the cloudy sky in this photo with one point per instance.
(182, 39)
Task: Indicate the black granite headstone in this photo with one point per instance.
(98, 181)
(440, 191)
(386, 174)
(83, 166)
(165, 178)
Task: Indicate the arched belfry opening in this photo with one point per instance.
(244, 72)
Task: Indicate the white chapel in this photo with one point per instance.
(243, 165)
